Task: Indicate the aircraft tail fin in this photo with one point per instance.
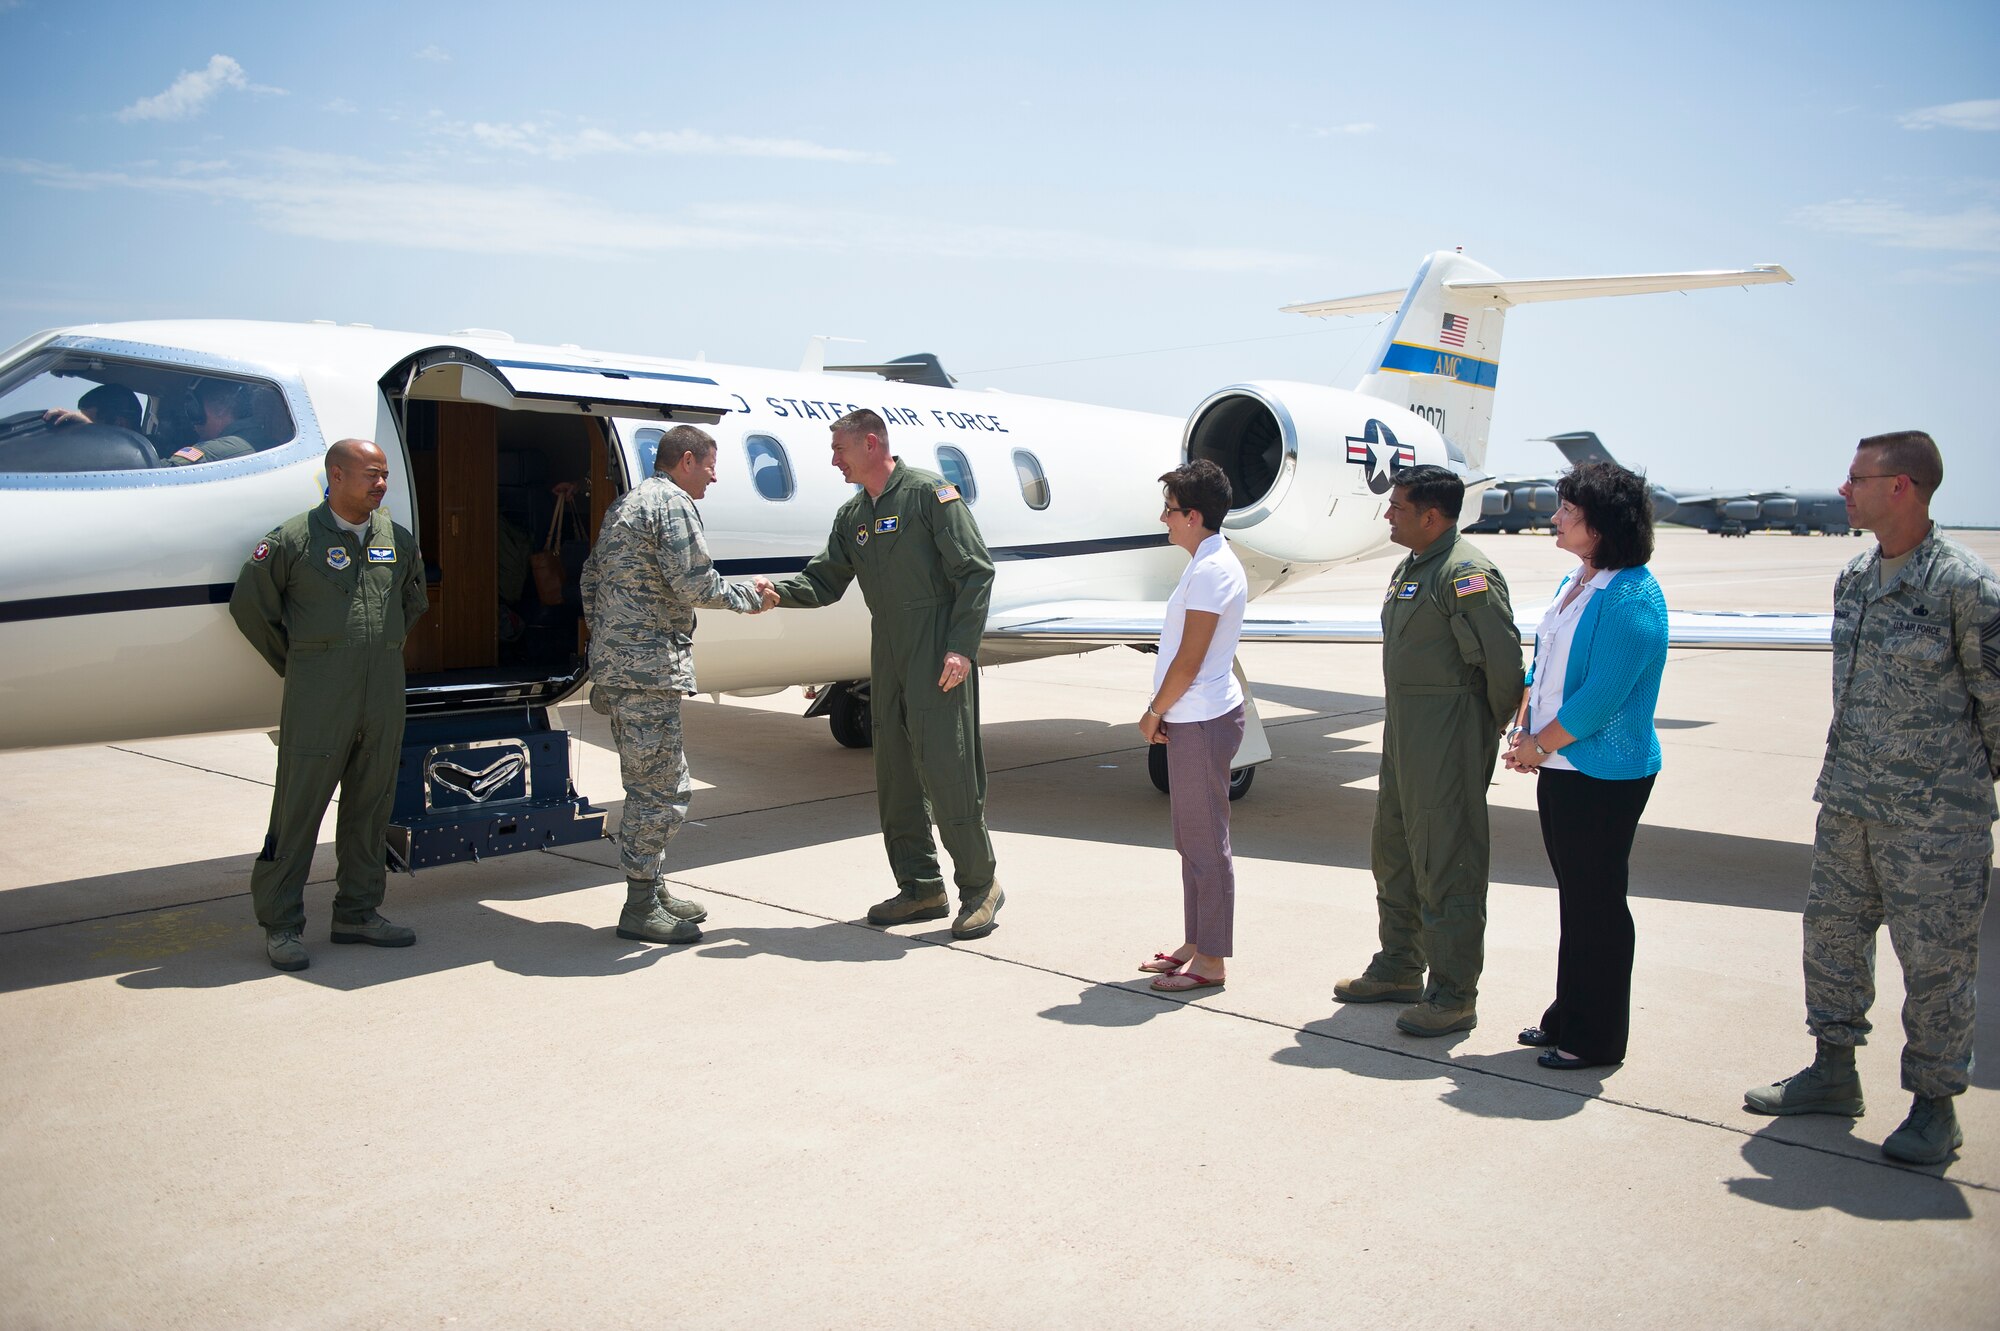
(1440, 354)
(1581, 446)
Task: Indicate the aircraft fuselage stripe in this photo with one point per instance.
(112, 603)
(217, 593)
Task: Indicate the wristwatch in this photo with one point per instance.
(1546, 753)
(1155, 715)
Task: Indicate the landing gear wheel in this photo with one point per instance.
(851, 718)
(1156, 768)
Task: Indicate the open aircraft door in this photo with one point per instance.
(508, 458)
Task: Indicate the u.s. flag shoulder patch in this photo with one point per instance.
(947, 493)
(1470, 583)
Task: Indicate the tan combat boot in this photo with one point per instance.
(907, 907)
(646, 920)
(976, 911)
(679, 907)
(1366, 990)
(1829, 1086)
(1428, 1019)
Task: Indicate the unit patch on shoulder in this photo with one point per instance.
(1408, 591)
(883, 526)
(861, 534)
(947, 493)
(261, 553)
(191, 453)
(381, 554)
(337, 558)
(1469, 584)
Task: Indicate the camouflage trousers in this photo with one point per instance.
(1930, 886)
(652, 762)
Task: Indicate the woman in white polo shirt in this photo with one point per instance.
(1197, 712)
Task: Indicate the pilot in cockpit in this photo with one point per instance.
(106, 404)
(223, 421)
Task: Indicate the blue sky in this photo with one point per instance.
(1098, 202)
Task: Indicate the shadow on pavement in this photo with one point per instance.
(1797, 1178)
(836, 941)
(1489, 1085)
(1131, 1003)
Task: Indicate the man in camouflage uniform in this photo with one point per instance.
(649, 570)
(1451, 668)
(327, 599)
(1906, 801)
(909, 538)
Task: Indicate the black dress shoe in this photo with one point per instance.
(1561, 1062)
(1535, 1035)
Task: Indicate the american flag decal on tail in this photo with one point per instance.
(1452, 334)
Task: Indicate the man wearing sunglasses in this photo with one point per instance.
(1906, 801)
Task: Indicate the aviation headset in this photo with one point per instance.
(239, 398)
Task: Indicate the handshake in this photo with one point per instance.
(767, 594)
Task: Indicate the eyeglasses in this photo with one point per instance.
(1873, 476)
(1171, 509)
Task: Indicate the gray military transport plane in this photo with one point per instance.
(1524, 503)
(126, 535)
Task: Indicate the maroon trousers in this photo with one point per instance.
(1198, 758)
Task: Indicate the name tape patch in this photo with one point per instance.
(381, 554)
(1407, 591)
(883, 526)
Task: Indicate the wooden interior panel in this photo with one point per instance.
(467, 552)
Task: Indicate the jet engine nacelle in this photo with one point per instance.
(1495, 503)
(1780, 510)
(1309, 467)
(1739, 510)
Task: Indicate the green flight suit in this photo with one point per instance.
(329, 613)
(1451, 669)
(214, 450)
(926, 576)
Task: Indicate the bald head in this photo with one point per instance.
(357, 478)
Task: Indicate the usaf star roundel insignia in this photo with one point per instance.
(1380, 455)
(337, 558)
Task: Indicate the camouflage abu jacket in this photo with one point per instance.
(642, 582)
(1915, 738)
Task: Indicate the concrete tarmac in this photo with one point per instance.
(805, 1121)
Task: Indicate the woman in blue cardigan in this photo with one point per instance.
(1585, 729)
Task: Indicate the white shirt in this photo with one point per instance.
(1553, 639)
(358, 531)
(1213, 582)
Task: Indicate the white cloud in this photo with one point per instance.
(1981, 115)
(340, 106)
(1352, 127)
(408, 207)
(1893, 224)
(193, 90)
(541, 140)
(434, 53)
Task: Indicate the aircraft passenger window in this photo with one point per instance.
(952, 463)
(75, 411)
(770, 469)
(647, 442)
(1034, 485)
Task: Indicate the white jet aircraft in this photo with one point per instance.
(126, 535)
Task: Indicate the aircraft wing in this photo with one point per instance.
(1106, 623)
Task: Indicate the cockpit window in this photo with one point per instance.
(76, 411)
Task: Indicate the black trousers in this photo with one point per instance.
(1587, 828)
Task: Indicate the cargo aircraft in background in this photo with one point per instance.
(126, 535)
(1524, 503)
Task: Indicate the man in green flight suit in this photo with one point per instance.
(926, 576)
(225, 423)
(327, 599)
(1451, 668)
